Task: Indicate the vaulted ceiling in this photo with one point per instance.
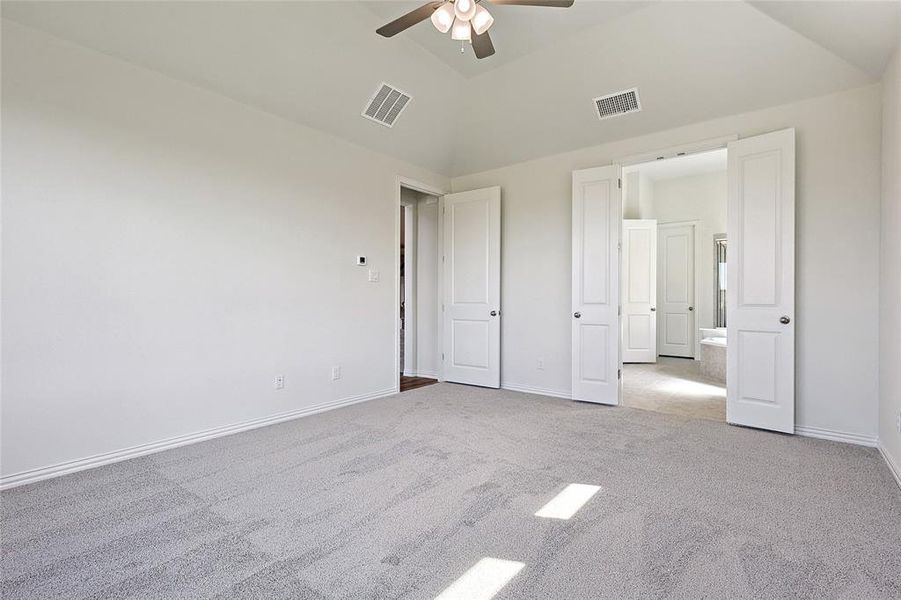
(317, 63)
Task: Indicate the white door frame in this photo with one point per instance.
(413, 184)
(696, 225)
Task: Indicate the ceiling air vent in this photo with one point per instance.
(620, 103)
(386, 105)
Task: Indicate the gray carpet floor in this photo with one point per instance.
(396, 498)
(674, 386)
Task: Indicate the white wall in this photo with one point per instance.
(167, 252)
(409, 200)
(428, 300)
(838, 252)
(699, 198)
(631, 204)
(890, 284)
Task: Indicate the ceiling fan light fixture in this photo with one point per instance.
(481, 20)
(464, 9)
(461, 31)
(443, 17)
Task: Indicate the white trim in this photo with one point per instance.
(64, 468)
(680, 150)
(527, 389)
(836, 436)
(425, 374)
(894, 467)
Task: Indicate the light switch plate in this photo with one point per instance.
(373, 275)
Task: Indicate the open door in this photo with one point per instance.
(760, 294)
(596, 224)
(472, 287)
(639, 291)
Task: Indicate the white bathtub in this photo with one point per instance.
(713, 353)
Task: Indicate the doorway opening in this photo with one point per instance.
(419, 317)
(673, 254)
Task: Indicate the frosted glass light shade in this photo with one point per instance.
(461, 31)
(465, 9)
(443, 17)
(482, 20)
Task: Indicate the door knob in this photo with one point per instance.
(653, 309)
(691, 308)
(577, 315)
(785, 320)
(493, 313)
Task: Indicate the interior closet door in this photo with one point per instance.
(472, 287)
(596, 227)
(760, 291)
(676, 292)
(639, 251)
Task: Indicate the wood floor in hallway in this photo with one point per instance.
(412, 383)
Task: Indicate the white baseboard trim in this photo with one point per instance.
(426, 374)
(516, 387)
(837, 436)
(64, 468)
(894, 467)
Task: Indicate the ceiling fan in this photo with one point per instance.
(467, 20)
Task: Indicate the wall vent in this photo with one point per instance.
(620, 103)
(386, 105)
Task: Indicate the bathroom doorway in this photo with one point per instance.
(673, 252)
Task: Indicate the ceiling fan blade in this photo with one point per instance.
(408, 20)
(554, 3)
(481, 44)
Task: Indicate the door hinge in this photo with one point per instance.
(442, 356)
(619, 310)
(619, 183)
(619, 373)
(442, 307)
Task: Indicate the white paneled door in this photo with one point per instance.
(676, 290)
(639, 319)
(760, 296)
(596, 227)
(472, 287)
